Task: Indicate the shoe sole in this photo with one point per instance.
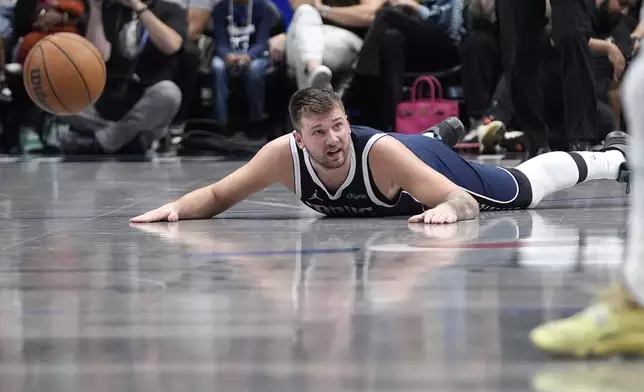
(623, 346)
(493, 136)
(321, 79)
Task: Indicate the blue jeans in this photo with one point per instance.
(253, 78)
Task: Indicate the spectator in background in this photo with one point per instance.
(611, 46)
(407, 36)
(241, 32)
(51, 16)
(199, 15)
(522, 24)
(481, 67)
(6, 32)
(140, 41)
(609, 63)
(186, 75)
(325, 36)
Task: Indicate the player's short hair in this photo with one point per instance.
(312, 100)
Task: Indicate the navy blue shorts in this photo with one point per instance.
(494, 187)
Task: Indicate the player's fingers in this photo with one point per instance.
(416, 218)
(173, 216)
(429, 216)
(151, 216)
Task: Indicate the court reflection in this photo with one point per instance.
(364, 297)
(617, 376)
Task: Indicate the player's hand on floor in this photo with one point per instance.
(167, 212)
(440, 214)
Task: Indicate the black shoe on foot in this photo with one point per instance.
(450, 131)
(75, 143)
(620, 141)
(617, 140)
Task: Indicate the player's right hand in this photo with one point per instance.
(440, 214)
(168, 212)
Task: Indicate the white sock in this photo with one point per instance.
(632, 98)
(556, 171)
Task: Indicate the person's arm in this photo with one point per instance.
(392, 161)
(360, 15)
(198, 17)
(162, 35)
(95, 31)
(613, 52)
(263, 32)
(638, 33)
(272, 164)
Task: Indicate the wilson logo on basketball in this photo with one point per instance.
(36, 83)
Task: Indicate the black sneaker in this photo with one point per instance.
(620, 141)
(450, 131)
(71, 142)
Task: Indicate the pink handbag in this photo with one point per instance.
(418, 114)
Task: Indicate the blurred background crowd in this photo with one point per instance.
(215, 76)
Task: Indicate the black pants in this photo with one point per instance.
(554, 113)
(481, 70)
(396, 42)
(522, 24)
(187, 78)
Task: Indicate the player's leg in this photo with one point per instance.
(556, 171)
(615, 325)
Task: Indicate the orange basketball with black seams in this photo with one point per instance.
(64, 73)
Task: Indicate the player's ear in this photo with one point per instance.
(298, 139)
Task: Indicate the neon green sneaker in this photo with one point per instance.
(613, 326)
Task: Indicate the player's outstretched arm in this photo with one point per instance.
(270, 165)
(391, 160)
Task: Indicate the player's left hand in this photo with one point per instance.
(440, 214)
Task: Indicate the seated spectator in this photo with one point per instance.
(186, 74)
(406, 36)
(325, 37)
(51, 16)
(140, 42)
(199, 15)
(611, 46)
(481, 67)
(241, 32)
(6, 31)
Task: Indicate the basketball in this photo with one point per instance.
(64, 73)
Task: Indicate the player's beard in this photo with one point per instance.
(333, 158)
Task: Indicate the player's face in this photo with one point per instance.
(326, 138)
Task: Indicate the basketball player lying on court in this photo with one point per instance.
(351, 171)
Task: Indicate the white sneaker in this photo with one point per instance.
(320, 77)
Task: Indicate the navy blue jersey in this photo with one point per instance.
(493, 187)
